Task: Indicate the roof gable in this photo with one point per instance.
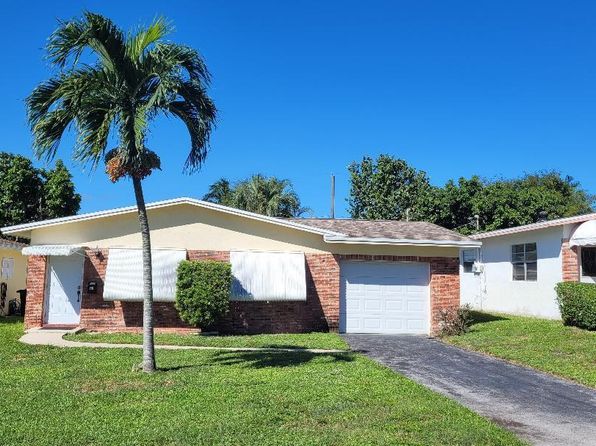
(389, 232)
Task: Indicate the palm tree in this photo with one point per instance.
(133, 78)
(220, 192)
(268, 196)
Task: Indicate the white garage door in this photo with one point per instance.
(384, 297)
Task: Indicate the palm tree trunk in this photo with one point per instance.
(148, 346)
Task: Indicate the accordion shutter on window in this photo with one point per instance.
(124, 274)
(268, 275)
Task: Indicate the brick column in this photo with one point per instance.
(444, 288)
(569, 261)
(36, 280)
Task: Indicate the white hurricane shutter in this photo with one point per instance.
(268, 275)
(124, 274)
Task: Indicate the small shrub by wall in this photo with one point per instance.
(455, 321)
(203, 292)
(577, 302)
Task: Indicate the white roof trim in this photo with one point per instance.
(401, 242)
(160, 204)
(51, 250)
(535, 226)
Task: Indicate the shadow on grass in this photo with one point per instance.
(10, 320)
(481, 318)
(260, 360)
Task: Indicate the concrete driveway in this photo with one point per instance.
(539, 408)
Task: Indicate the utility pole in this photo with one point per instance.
(332, 213)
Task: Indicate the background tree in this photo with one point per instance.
(220, 192)
(128, 80)
(29, 194)
(59, 197)
(268, 196)
(386, 189)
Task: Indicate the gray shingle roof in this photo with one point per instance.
(386, 229)
(9, 244)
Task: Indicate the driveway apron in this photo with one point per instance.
(538, 407)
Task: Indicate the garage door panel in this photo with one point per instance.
(384, 297)
(372, 323)
(394, 304)
(394, 324)
(373, 305)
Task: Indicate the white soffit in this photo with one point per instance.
(584, 235)
(275, 276)
(51, 250)
(124, 274)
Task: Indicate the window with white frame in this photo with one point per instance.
(7, 268)
(588, 262)
(468, 257)
(524, 259)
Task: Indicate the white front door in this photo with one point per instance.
(384, 297)
(63, 290)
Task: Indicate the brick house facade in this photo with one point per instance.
(320, 311)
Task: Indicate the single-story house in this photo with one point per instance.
(290, 275)
(13, 272)
(516, 269)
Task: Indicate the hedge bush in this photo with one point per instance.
(577, 302)
(203, 292)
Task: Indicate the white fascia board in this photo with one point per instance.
(160, 204)
(535, 226)
(402, 242)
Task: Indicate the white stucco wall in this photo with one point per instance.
(470, 283)
(495, 289)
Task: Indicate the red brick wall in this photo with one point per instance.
(102, 315)
(320, 311)
(570, 262)
(444, 281)
(36, 279)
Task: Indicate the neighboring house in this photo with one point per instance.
(13, 272)
(517, 268)
(290, 275)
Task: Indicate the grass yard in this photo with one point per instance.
(546, 345)
(328, 341)
(84, 396)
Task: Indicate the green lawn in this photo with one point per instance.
(544, 344)
(84, 396)
(329, 341)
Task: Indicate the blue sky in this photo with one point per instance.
(305, 87)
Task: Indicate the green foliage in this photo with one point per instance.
(577, 302)
(30, 194)
(268, 196)
(133, 78)
(203, 292)
(59, 196)
(386, 189)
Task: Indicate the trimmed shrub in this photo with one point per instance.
(455, 321)
(577, 302)
(203, 292)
